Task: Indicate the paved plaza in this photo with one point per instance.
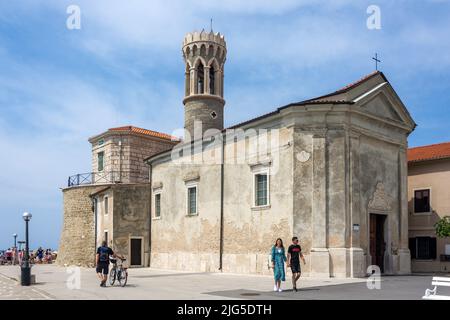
(55, 282)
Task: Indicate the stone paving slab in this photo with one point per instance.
(145, 283)
(10, 289)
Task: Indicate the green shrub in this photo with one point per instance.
(443, 227)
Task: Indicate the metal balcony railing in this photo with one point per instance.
(106, 177)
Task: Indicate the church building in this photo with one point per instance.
(331, 170)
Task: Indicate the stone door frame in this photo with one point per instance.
(142, 250)
(380, 203)
(387, 265)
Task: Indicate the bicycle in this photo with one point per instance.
(119, 272)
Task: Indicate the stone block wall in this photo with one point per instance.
(129, 157)
(77, 242)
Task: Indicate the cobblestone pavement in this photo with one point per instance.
(11, 290)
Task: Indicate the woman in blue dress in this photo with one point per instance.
(278, 260)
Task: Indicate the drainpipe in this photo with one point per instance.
(94, 203)
(120, 159)
(222, 174)
(150, 217)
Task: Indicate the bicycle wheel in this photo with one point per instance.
(112, 276)
(123, 277)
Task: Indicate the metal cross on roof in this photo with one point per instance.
(376, 61)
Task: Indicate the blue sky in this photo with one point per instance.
(124, 66)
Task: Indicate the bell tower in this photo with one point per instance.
(204, 54)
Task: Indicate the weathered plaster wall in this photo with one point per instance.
(187, 242)
(380, 164)
(249, 231)
(180, 241)
(105, 220)
(131, 218)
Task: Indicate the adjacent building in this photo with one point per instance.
(112, 201)
(429, 201)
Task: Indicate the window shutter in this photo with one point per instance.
(412, 247)
(433, 249)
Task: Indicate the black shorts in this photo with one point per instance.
(295, 267)
(103, 267)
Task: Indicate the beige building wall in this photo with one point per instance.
(184, 242)
(433, 175)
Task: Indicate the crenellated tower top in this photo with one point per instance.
(204, 54)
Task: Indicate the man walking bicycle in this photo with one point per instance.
(102, 262)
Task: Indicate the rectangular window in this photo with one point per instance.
(106, 237)
(158, 205)
(192, 200)
(106, 205)
(100, 159)
(422, 201)
(423, 248)
(261, 190)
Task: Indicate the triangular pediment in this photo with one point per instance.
(382, 102)
(380, 106)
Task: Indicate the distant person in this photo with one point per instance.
(40, 254)
(8, 255)
(293, 260)
(14, 256)
(278, 260)
(21, 254)
(102, 262)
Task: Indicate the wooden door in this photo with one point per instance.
(136, 252)
(373, 238)
(377, 243)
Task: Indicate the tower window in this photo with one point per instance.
(211, 80)
(188, 81)
(100, 159)
(200, 79)
(106, 205)
(157, 205)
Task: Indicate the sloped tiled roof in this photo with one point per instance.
(430, 152)
(325, 99)
(344, 89)
(144, 132)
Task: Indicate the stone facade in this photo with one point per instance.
(124, 180)
(77, 242)
(124, 153)
(336, 165)
(331, 170)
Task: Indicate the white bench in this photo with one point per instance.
(437, 282)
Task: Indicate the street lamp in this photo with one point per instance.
(25, 278)
(15, 240)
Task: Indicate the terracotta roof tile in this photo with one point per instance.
(430, 152)
(145, 132)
